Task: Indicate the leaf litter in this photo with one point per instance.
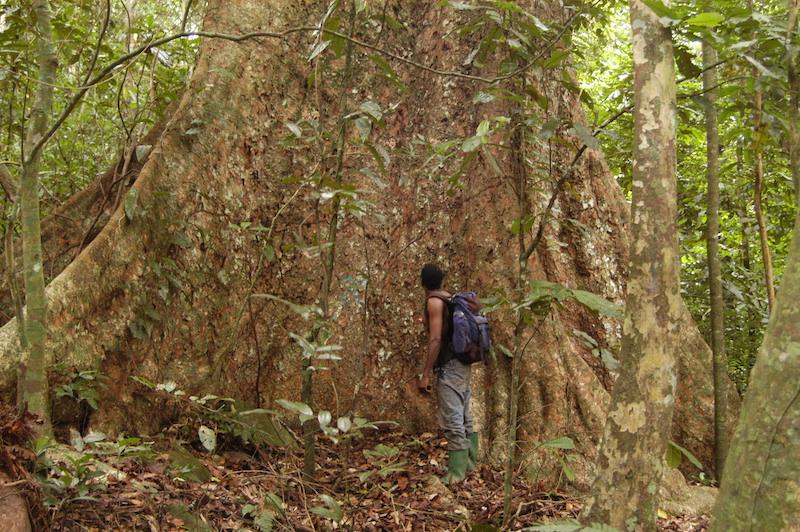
(385, 481)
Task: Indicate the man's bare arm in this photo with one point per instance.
(435, 308)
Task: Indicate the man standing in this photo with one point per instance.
(453, 378)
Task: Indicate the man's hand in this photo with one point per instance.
(424, 383)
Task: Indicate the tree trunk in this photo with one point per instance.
(33, 373)
(758, 155)
(720, 366)
(635, 439)
(761, 487)
(162, 291)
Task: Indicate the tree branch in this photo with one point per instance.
(8, 182)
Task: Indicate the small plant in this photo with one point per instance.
(83, 387)
(385, 460)
(214, 416)
(265, 514)
(556, 449)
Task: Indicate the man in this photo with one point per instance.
(453, 378)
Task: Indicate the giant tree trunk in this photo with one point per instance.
(183, 252)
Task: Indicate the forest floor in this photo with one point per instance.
(383, 481)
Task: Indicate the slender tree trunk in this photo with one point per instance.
(721, 442)
(328, 255)
(761, 487)
(520, 185)
(624, 494)
(33, 375)
(758, 156)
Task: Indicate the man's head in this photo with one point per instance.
(431, 277)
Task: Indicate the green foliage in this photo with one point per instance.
(752, 45)
(215, 418)
(83, 386)
(126, 104)
(675, 455)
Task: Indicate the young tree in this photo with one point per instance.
(33, 374)
(624, 494)
(710, 58)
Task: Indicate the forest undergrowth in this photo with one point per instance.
(385, 480)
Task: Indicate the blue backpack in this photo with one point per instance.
(471, 338)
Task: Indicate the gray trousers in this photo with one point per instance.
(453, 391)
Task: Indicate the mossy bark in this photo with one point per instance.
(33, 372)
(624, 494)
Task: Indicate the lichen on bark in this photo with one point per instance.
(624, 494)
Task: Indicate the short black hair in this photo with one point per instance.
(431, 277)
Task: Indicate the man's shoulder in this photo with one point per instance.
(440, 295)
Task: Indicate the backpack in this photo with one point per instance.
(471, 337)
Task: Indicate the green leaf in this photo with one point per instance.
(684, 59)
(685, 452)
(265, 521)
(598, 303)
(187, 466)
(483, 97)
(673, 457)
(585, 135)
(563, 442)
(295, 129)
(760, 67)
(344, 424)
(333, 511)
(382, 451)
(568, 471)
(208, 438)
(324, 418)
(364, 126)
(295, 406)
(706, 20)
(373, 109)
(472, 143)
(142, 151)
(305, 311)
(131, 199)
(567, 526)
(503, 349)
(662, 10)
(318, 49)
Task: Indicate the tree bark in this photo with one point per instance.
(33, 373)
(637, 429)
(720, 366)
(221, 160)
(761, 487)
